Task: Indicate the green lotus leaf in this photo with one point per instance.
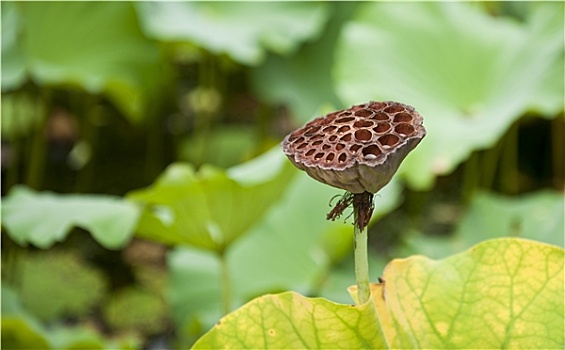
(82, 337)
(539, 216)
(77, 338)
(195, 291)
(97, 46)
(212, 207)
(504, 293)
(17, 333)
(244, 31)
(224, 146)
(291, 321)
(469, 74)
(43, 218)
(13, 67)
(314, 60)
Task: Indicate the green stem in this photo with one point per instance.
(38, 153)
(489, 166)
(361, 259)
(87, 105)
(10, 262)
(226, 283)
(471, 174)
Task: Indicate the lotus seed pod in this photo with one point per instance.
(356, 149)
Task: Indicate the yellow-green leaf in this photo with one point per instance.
(291, 321)
(504, 293)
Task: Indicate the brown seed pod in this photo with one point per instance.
(357, 149)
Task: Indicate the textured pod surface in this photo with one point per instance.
(357, 149)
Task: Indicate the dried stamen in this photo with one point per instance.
(362, 202)
(345, 201)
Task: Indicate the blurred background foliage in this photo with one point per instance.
(144, 191)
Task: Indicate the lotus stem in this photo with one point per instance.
(226, 283)
(360, 253)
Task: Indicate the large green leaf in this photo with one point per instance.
(505, 293)
(291, 321)
(469, 74)
(13, 67)
(239, 29)
(18, 333)
(211, 208)
(303, 80)
(97, 46)
(539, 216)
(45, 218)
(195, 291)
(86, 337)
(224, 146)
